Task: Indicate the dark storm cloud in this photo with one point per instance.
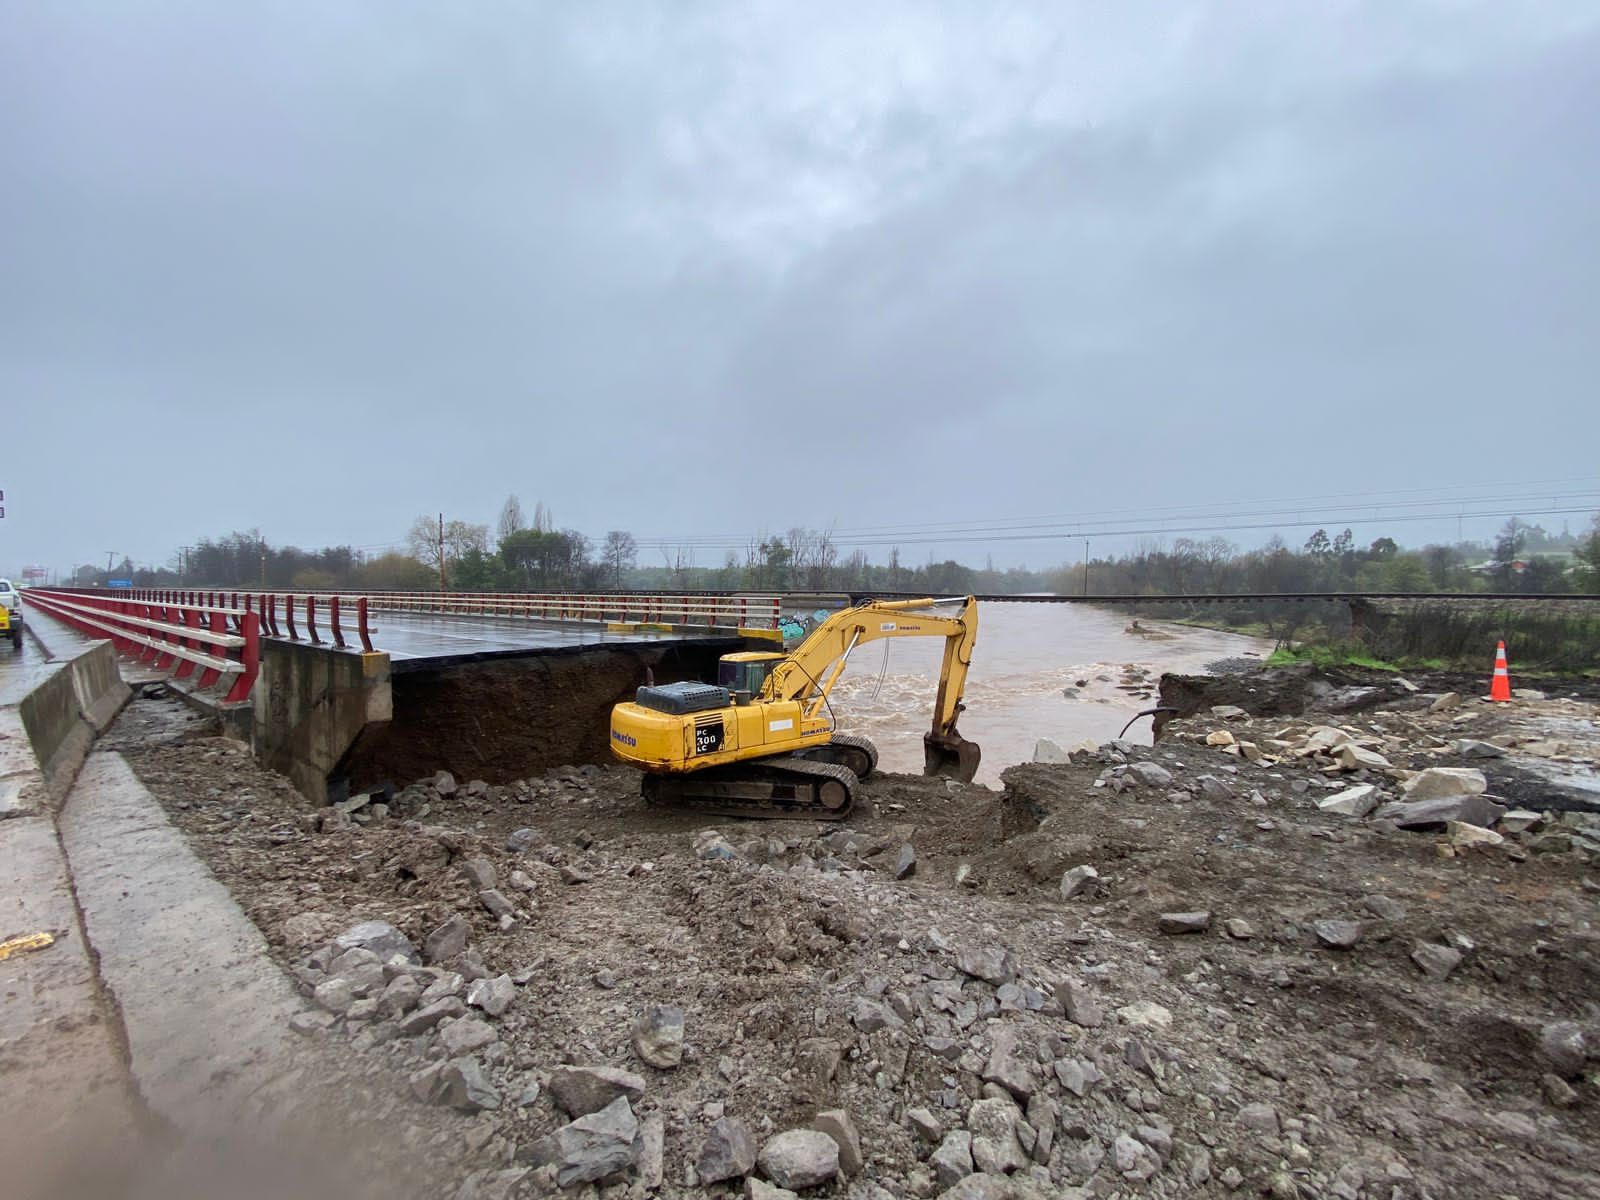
(730, 267)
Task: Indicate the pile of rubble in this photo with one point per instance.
(1136, 970)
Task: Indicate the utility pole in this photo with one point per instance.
(109, 555)
(441, 553)
(1085, 566)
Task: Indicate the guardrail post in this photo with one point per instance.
(219, 624)
(311, 620)
(288, 610)
(189, 618)
(250, 655)
(333, 622)
(361, 625)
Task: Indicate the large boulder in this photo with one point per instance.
(1421, 814)
(799, 1158)
(1443, 783)
(380, 937)
(595, 1146)
(728, 1153)
(583, 1090)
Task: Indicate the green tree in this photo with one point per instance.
(1588, 556)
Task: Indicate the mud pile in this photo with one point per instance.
(1144, 971)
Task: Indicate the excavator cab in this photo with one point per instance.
(745, 674)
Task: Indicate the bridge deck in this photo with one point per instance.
(419, 636)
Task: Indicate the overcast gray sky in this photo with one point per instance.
(706, 270)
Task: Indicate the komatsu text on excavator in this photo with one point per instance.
(761, 741)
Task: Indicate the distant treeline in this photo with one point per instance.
(535, 556)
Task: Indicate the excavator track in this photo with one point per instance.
(849, 750)
(783, 787)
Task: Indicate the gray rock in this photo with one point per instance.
(1004, 1069)
(995, 1148)
(992, 964)
(595, 1146)
(497, 903)
(402, 994)
(952, 1161)
(799, 1158)
(1383, 907)
(1077, 1075)
(466, 1034)
(334, 995)
(1046, 751)
(1076, 880)
(445, 985)
(1472, 748)
(652, 1144)
(905, 862)
(1261, 1117)
(1444, 783)
(444, 783)
(1078, 1002)
(583, 1090)
(1185, 922)
(1557, 1091)
(1133, 1159)
(1337, 935)
(1357, 801)
(308, 1023)
(519, 840)
(760, 1189)
(1238, 929)
(1563, 1044)
(1446, 702)
(1356, 758)
(479, 872)
(1150, 774)
(447, 941)
(993, 1187)
(658, 1036)
(926, 1125)
(429, 1015)
(728, 1153)
(381, 938)
(461, 1085)
(494, 996)
(836, 1123)
(1435, 961)
(869, 1016)
(1416, 814)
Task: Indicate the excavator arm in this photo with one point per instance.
(812, 669)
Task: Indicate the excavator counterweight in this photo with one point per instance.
(761, 741)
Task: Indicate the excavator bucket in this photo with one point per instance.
(953, 757)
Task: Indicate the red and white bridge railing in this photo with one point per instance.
(223, 644)
(283, 613)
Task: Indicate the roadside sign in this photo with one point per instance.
(127, 583)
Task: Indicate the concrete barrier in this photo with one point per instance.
(65, 713)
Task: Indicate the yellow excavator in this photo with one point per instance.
(761, 741)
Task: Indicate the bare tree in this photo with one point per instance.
(619, 554)
(510, 519)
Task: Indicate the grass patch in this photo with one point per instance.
(1331, 656)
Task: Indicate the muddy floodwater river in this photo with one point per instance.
(1060, 671)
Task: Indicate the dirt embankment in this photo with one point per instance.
(1247, 994)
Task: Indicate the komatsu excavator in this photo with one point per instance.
(761, 741)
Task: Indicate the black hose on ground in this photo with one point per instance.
(1160, 708)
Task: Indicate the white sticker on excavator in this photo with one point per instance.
(886, 627)
(775, 726)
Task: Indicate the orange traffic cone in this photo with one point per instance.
(1500, 689)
